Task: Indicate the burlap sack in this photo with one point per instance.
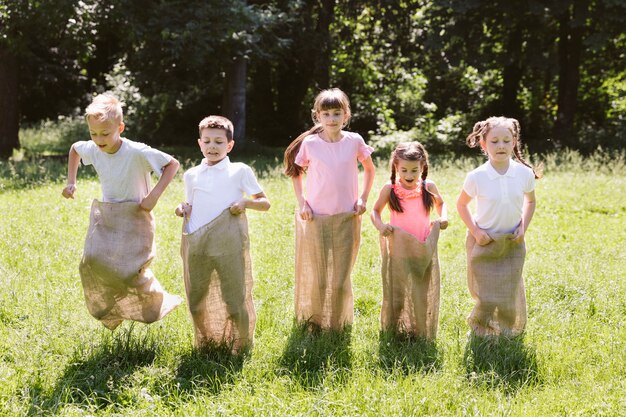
(218, 281)
(411, 283)
(326, 249)
(117, 282)
(494, 275)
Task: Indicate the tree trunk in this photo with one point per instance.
(9, 103)
(571, 31)
(234, 100)
(322, 58)
(512, 76)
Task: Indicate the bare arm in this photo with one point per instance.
(527, 215)
(462, 203)
(440, 205)
(385, 229)
(257, 202)
(305, 211)
(73, 161)
(368, 181)
(169, 172)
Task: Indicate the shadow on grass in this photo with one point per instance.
(407, 353)
(504, 362)
(97, 375)
(312, 354)
(209, 368)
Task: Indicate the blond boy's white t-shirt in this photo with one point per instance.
(499, 197)
(210, 189)
(125, 174)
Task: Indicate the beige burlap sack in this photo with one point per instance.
(218, 282)
(494, 275)
(117, 282)
(411, 283)
(326, 249)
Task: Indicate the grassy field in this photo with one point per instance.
(57, 360)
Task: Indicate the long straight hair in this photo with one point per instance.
(332, 98)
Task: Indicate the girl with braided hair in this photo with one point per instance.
(504, 190)
(410, 265)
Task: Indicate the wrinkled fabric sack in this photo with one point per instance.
(117, 281)
(326, 249)
(494, 275)
(411, 283)
(218, 282)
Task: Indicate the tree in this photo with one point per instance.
(42, 46)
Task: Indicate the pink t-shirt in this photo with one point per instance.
(332, 171)
(414, 219)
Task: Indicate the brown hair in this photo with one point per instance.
(332, 98)
(481, 129)
(217, 122)
(409, 151)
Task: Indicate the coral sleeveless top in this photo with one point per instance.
(415, 219)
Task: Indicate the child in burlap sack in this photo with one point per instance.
(117, 281)
(505, 202)
(215, 245)
(408, 244)
(328, 222)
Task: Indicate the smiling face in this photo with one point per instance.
(409, 173)
(105, 134)
(214, 144)
(498, 144)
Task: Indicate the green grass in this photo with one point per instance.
(57, 360)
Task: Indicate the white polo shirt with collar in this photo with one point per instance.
(499, 197)
(210, 189)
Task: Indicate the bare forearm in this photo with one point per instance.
(73, 161)
(169, 172)
(466, 217)
(298, 190)
(527, 213)
(259, 203)
(368, 178)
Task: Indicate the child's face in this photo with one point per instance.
(332, 120)
(106, 134)
(214, 144)
(498, 144)
(409, 173)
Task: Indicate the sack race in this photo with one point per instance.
(494, 275)
(411, 283)
(117, 281)
(326, 249)
(218, 282)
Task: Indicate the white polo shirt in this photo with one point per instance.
(210, 189)
(499, 198)
(125, 174)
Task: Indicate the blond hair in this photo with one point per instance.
(333, 98)
(482, 128)
(105, 107)
(217, 122)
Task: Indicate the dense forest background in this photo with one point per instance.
(425, 70)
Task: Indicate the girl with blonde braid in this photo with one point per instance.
(504, 190)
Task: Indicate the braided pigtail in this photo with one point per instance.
(518, 156)
(427, 197)
(517, 133)
(478, 133)
(394, 200)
